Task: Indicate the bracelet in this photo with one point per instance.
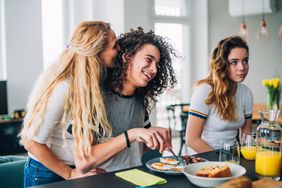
(126, 139)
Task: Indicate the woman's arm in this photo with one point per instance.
(194, 131)
(50, 160)
(38, 148)
(153, 138)
(247, 127)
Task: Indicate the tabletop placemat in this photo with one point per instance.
(140, 178)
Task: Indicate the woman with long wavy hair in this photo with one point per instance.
(143, 71)
(66, 125)
(220, 103)
(68, 93)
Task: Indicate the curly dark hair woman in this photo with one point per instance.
(130, 43)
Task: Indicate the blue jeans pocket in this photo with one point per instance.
(36, 173)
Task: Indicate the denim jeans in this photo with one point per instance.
(35, 173)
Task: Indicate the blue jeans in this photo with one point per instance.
(35, 173)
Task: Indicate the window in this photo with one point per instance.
(52, 30)
(170, 19)
(175, 8)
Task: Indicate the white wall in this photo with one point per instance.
(199, 43)
(137, 13)
(24, 49)
(106, 10)
(265, 57)
(3, 75)
(24, 40)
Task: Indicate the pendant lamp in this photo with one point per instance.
(263, 33)
(243, 26)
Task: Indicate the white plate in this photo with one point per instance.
(157, 160)
(191, 170)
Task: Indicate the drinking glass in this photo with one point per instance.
(248, 146)
(230, 152)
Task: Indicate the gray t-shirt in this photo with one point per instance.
(124, 113)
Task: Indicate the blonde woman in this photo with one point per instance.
(68, 93)
(221, 104)
(66, 118)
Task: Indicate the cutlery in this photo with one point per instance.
(178, 158)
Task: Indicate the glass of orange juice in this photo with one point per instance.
(268, 163)
(248, 146)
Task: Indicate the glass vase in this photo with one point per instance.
(268, 141)
(272, 101)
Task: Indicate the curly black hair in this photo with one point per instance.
(130, 43)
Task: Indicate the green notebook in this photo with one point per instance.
(140, 178)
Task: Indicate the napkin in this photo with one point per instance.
(140, 178)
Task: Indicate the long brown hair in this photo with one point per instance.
(221, 96)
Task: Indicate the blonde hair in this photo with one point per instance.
(84, 103)
(221, 96)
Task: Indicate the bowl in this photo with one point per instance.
(190, 173)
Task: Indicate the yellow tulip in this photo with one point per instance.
(270, 83)
(275, 83)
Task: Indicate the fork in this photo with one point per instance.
(178, 158)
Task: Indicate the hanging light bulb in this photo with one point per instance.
(280, 32)
(244, 31)
(243, 26)
(263, 33)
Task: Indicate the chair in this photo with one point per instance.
(176, 113)
(12, 171)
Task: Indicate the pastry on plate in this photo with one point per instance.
(214, 171)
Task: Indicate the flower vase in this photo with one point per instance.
(272, 101)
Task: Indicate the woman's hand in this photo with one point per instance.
(166, 135)
(78, 174)
(153, 137)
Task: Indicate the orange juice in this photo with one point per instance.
(249, 152)
(268, 163)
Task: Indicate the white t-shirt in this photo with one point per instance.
(51, 132)
(215, 129)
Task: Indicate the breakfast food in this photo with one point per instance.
(173, 165)
(266, 182)
(215, 171)
(190, 160)
(239, 182)
(170, 161)
(161, 166)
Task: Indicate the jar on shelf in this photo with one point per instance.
(268, 141)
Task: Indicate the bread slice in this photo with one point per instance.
(266, 182)
(215, 171)
(239, 182)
